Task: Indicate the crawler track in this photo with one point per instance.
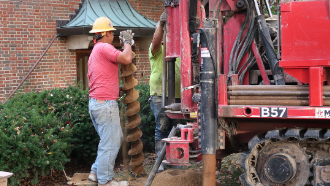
(291, 152)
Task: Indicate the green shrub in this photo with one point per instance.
(71, 107)
(31, 137)
(39, 131)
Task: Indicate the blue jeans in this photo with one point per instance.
(156, 107)
(105, 117)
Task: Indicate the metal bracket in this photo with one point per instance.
(210, 23)
(192, 87)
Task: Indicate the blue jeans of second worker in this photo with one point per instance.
(105, 117)
(156, 107)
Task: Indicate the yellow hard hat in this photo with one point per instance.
(101, 25)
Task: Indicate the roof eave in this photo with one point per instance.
(139, 32)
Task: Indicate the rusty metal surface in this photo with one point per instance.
(305, 148)
(209, 169)
(291, 150)
(322, 175)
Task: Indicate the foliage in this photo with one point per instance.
(71, 107)
(273, 7)
(39, 131)
(32, 137)
(230, 170)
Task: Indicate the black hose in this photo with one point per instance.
(238, 38)
(243, 41)
(246, 45)
(246, 62)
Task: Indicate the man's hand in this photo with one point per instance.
(162, 19)
(126, 37)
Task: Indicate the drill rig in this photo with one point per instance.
(251, 83)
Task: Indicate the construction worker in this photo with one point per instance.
(103, 94)
(163, 123)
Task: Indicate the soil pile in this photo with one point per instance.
(190, 177)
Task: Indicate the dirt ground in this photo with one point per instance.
(183, 176)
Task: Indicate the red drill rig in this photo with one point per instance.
(254, 84)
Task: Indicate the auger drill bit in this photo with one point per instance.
(134, 120)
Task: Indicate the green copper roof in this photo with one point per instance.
(120, 12)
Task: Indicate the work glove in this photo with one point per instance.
(162, 19)
(126, 37)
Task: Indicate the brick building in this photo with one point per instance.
(26, 28)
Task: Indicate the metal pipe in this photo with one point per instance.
(159, 160)
(275, 102)
(257, 7)
(164, 78)
(209, 169)
(174, 107)
(34, 66)
(267, 93)
(269, 102)
(208, 115)
(268, 9)
(276, 88)
(171, 81)
(268, 98)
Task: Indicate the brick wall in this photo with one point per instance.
(152, 10)
(26, 28)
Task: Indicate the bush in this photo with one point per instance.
(31, 137)
(39, 131)
(71, 107)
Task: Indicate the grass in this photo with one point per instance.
(230, 171)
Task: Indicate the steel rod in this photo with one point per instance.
(34, 66)
(268, 9)
(268, 98)
(164, 78)
(275, 102)
(267, 93)
(257, 7)
(275, 87)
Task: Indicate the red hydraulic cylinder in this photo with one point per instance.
(173, 32)
(186, 65)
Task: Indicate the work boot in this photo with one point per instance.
(158, 147)
(92, 177)
(115, 183)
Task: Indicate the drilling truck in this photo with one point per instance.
(251, 82)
